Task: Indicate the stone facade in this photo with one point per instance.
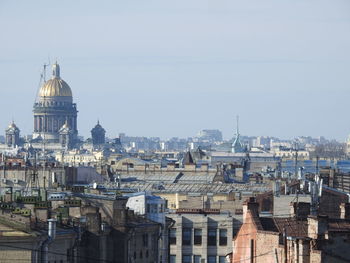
(200, 237)
(313, 239)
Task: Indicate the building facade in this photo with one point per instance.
(98, 135)
(200, 237)
(153, 208)
(12, 135)
(299, 238)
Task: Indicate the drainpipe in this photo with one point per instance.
(36, 257)
(129, 256)
(75, 247)
(51, 235)
(168, 237)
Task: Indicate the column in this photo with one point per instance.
(40, 124)
(75, 124)
(35, 127)
(52, 120)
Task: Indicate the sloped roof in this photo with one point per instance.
(338, 225)
(188, 158)
(268, 224)
(294, 227)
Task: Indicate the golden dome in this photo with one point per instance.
(55, 87)
(12, 126)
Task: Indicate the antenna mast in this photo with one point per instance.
(41, 80)
(44, 71)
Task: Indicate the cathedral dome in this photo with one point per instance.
(12, 127)
(55, 87)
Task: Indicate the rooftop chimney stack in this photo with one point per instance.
(345, 210)
(52, 228)
(300, 210)
(252, 206)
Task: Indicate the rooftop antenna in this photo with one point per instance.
(32, 181)
(237, 125)
(316, 193)
(42, 80)
(44, 71)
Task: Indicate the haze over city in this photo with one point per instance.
(172, 68)
(184, 131)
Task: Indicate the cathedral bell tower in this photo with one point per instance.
(12, 135)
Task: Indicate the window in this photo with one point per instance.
(148, 208)
(196, 259)
(154, 209)
(186, 236)
(212, 237)
(154, 239)
(197, 237)
(223, 237)
(222, 259)
(211, 259)
(172, 258)
(145, 240)
(186, 259)
(172, 238)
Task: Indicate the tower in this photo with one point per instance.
(12, 135)
(237, 146)
(66, 136)
(98, 135)
(53, 108)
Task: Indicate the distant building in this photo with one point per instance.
(210, 135)
(12, 135)
(54, 107)
(348, 146)
(66, 136)
(237, 146)
(262, 142)
(98, 135)
(290, 153)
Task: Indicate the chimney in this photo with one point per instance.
(345, 210)
(317, 226)
(252, 206)
(52, 228)
(300, 210)
(204, 167)
(277, 187)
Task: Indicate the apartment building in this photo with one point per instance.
(200, 236)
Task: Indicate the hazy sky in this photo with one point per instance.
(171, 68)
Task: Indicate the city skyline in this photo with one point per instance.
(196, 70)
